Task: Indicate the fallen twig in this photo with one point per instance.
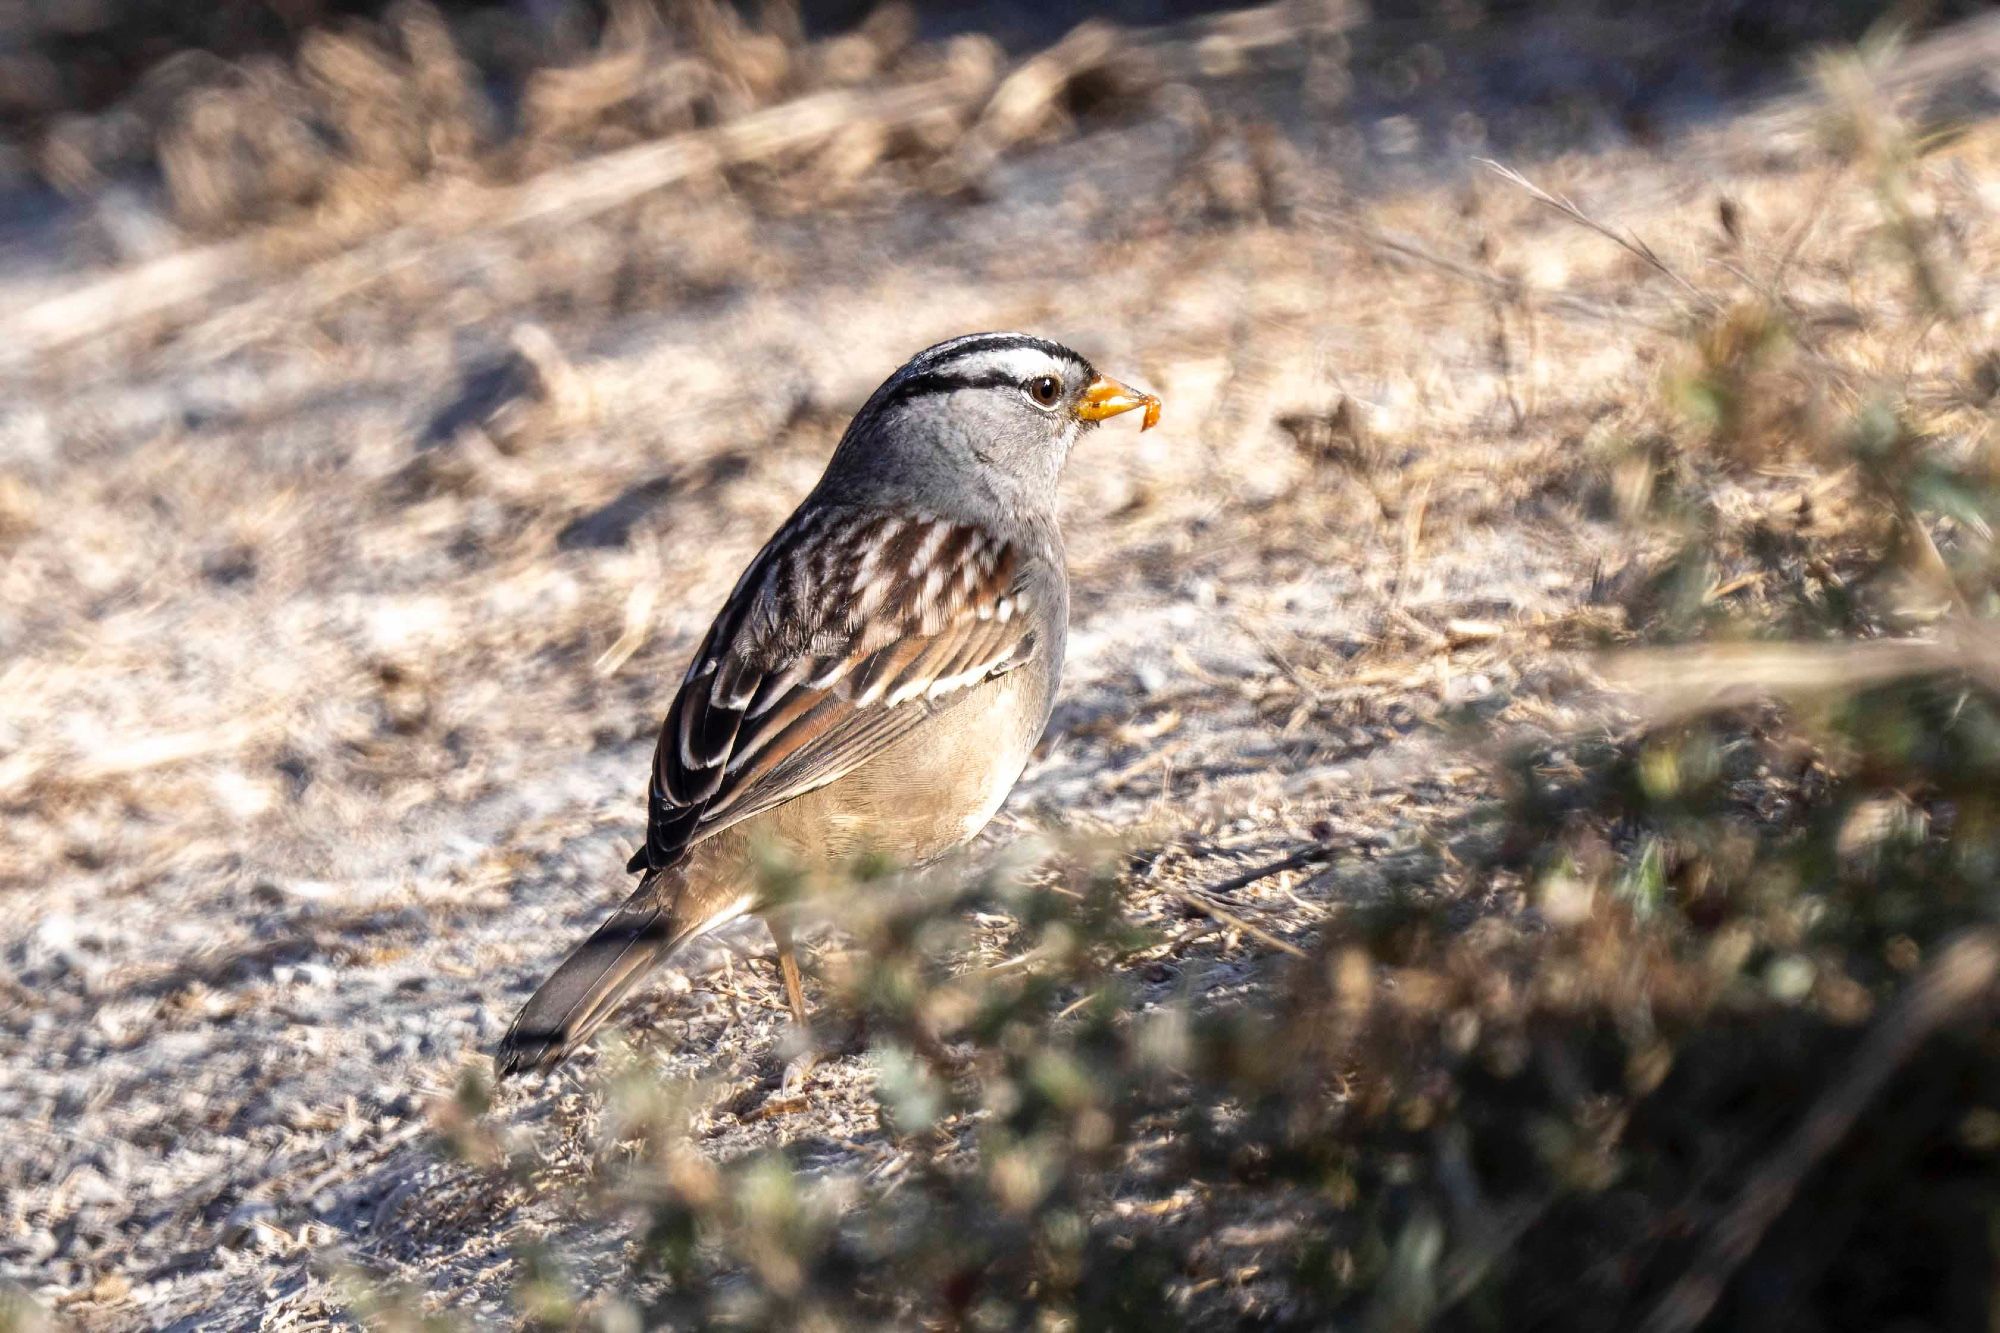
(577, 191)
(564, 196)
(1305, 856)
(1197, 903)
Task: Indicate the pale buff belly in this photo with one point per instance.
(925, 794)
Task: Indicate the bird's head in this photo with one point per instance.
(1005, 408)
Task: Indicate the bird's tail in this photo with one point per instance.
(600, 972)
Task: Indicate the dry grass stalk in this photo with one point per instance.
(1400, 247)
(1672, 683)
(1631, 242)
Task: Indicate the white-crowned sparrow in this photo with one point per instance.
(878, 677)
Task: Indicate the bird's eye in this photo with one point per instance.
(1045, 390)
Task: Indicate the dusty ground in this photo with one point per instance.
(332, 665)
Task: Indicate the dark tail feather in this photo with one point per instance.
(586, 989)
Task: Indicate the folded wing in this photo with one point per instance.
(850, 628)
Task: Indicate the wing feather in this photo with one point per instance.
(849, 628)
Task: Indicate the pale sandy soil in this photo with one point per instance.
(324, 711)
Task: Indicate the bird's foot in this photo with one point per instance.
(810, 1055)
(786, 1092)
(784, 1095)
(798, 1072)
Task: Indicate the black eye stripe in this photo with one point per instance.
(949, 367)
(945, 381)
(933, 382)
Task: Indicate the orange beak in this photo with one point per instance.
(1106, 397)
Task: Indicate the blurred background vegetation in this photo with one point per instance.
(244, 110)
(1678, 1012)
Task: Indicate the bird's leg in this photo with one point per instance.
(800, 1069)
(788, 966)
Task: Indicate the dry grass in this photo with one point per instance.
(339, 612)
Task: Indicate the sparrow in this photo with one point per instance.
(877, 679)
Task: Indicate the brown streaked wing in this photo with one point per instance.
(847, 630)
